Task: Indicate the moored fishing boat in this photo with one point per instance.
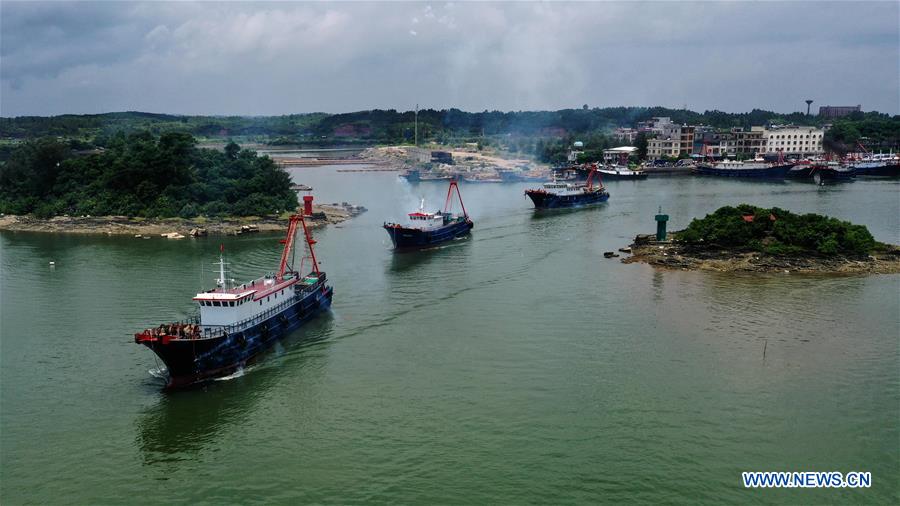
(822, 171)
(876, 165)
(621, 172)
(415, 176)
(426, 229)
(751, 169)
(756, 168)
(557, 194)
(238, 322)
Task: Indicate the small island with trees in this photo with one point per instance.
(143, 183)
(747, 238)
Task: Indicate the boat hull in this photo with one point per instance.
(404, 237)
(193, 361)
(776, 172)
(546, 200)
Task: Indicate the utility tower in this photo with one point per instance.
(808, 103)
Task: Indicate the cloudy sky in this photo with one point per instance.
(290, 57)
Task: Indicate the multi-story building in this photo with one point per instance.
(794, 140)
(672, 140)
(659, 147)
(626, 134)
(759, 141)
(837, 111)
(737, 141)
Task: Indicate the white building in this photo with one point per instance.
(618, 155)
(794, 140)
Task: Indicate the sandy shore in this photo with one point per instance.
(473, 162)
(123, 225)
(674, 256)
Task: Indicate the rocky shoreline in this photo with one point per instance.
(328, 214)
(675, 256)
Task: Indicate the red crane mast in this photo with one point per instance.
(288, 242)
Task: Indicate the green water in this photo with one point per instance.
(517, 366)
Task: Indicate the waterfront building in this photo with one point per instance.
(672, 140)
(618, 155)
(794, 140)
(837, 111)
(735, 142)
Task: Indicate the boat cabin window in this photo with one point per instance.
(216, 303)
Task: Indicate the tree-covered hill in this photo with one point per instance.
(875, 130)
(142, 175)
(778, 232)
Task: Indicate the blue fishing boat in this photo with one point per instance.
(820, 172)
(426, 229)
(237, 323)
(752, 169)
(558, 194)
(876, 165)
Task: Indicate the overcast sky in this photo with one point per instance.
(280, 58)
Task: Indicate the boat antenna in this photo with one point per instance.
(222, 281)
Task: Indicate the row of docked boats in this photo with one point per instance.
(815, 169)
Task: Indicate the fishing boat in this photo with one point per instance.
(236, 323)
(752, 169)
(556, 194)
(756, 168)
(426, 229)
(621, 172)
(876, 165)
(822, 171)
(415, 176)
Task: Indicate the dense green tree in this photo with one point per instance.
(142, 175)
(777, 231)
(640, 142)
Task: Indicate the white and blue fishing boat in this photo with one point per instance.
(876, 165)
(756, 168)
(237, 323)
(426, 229)
(751, 169)
(558, 194)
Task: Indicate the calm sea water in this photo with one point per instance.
(514, 366)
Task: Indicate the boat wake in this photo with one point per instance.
(159, 372)
(236, 374)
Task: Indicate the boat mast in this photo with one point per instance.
(590, 178)
(288, 242)
(309, 243)
(449, 199)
